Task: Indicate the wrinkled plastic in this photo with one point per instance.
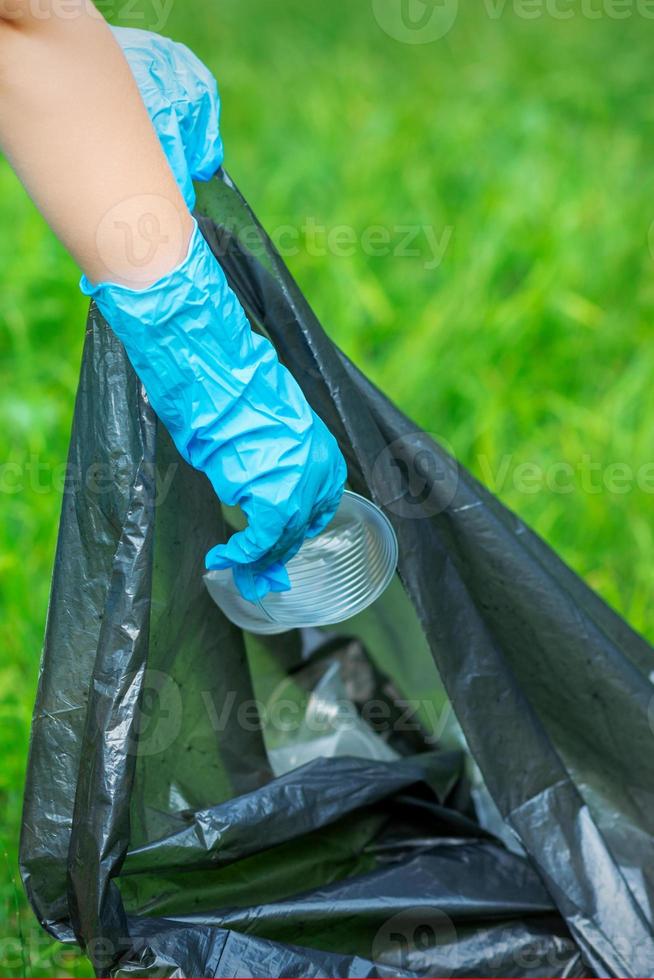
(181, 96)
(234, 412)
(155, 831)
(331, 728)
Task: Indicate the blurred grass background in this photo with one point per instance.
(524, 145)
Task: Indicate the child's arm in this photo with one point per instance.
(75, 129)
(77, 132)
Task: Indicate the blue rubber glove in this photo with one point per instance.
(282, 504)
(181, 96)
(234, 412)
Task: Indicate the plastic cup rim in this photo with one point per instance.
(363, 601)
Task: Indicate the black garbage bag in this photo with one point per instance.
(173, 826)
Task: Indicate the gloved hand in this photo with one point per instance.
(181, 96)
(233, 411)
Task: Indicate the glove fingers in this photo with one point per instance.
(250, 546)
(322, 517)
(255, 585)
(246, 557)
(244, 548)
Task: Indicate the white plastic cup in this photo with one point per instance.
(333, 577)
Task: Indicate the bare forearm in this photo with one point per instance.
(74, 127)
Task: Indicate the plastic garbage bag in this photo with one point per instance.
(155, 832)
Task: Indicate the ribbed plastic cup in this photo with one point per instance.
(333, 576)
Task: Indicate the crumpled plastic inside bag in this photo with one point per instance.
(331, 727)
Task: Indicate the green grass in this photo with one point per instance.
(525, 146)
